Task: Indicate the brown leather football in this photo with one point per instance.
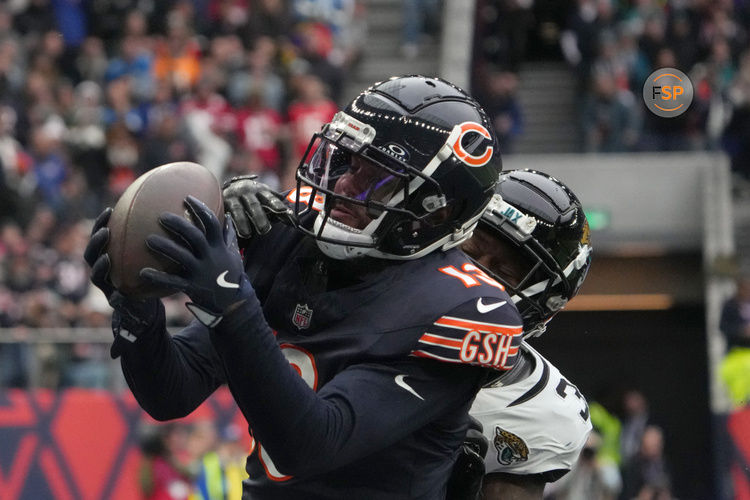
(136, 215)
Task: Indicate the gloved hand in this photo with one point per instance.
(212, 273)
(465, 481)
(475, 438)
(131, 317)
(253, 205)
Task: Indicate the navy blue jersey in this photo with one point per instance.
(394, 356)
(380, 330)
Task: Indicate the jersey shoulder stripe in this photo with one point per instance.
(471, 335)
(440, 341)
(480, 326)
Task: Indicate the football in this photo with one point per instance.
(136, 215)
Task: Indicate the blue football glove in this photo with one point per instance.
(212, 272)
(253, 205)
(131, 318)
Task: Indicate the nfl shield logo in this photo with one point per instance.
(301, 317)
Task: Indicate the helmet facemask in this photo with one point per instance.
(365, 196)
(543, 287)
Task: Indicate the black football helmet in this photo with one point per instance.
(543, 223)
(407, 168)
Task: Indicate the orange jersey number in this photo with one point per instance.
(470, 275)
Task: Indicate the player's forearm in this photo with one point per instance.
(163, 380)
(307, 433)
(300, 431)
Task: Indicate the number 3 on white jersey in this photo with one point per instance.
(562, 391)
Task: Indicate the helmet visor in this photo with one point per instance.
(357, 187)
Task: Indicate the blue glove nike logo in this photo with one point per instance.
(221, 280)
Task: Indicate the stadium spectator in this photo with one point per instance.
(258, 76)
(202, 438)
(506, 24)
(609, 428)
(11, 59)
(121, 108)
(590, 478)
(163, 474)
(579, 39)
(499, 98)
(682, 37)
(646, 475)
(33, 20)
(70, 276)
(343, 19)
(419, 20)
(271, 18)
(48, 166)
(736, 138)
(134, 61)
(315, 46)
(15, 163)
(735, 315)
(85, 137)
(635, 420)
(610, 116)
(734, 369)
(177, 56)
(86, 366)
(14, 357)
(221, 469)
(167, 139)
(122, 158)
(260, 132)
(307, 113)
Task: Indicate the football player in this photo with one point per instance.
(355, 342)
(534, 239)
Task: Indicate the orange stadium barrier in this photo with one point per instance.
(81, 444)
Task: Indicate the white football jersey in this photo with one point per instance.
(535, 426)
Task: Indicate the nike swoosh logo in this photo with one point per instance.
(485, 308)
(400, 382)
(221, 280)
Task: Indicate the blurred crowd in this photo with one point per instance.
(94, 93)
(613, 46)
(623, 458)
(192, 461)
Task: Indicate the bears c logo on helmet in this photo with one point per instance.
(466, 157)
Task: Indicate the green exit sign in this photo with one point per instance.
(598, 219)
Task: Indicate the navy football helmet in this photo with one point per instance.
(539, 238)
(407, 168)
